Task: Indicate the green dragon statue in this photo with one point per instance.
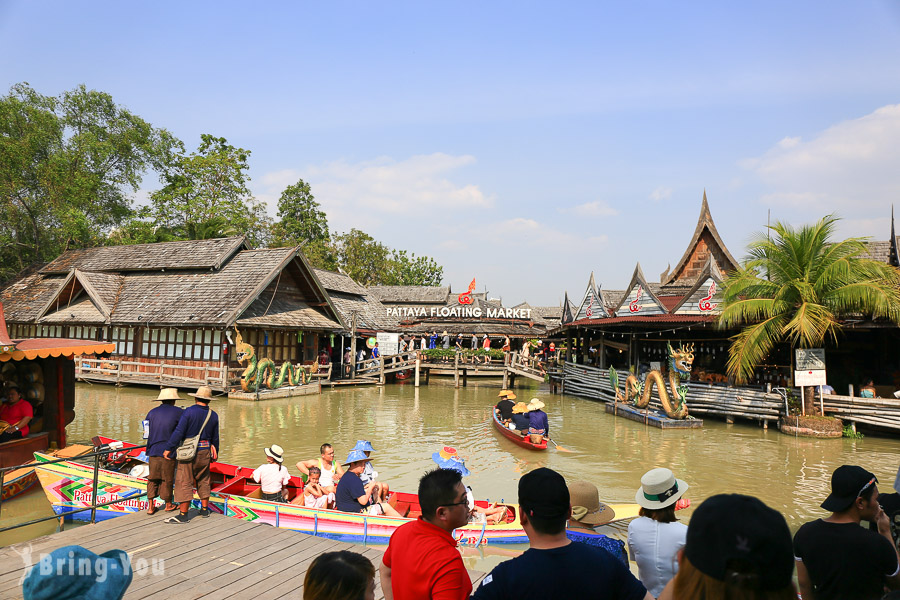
(680, 362)
(262, 373)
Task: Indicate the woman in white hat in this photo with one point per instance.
(655, 537)
(273, 476)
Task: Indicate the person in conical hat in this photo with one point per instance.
(538, 425)
(161, 423)
(520, 418)
(505, 406)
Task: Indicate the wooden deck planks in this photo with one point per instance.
(217, 557)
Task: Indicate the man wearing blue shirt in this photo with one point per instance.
(162, 422)
(194, 473)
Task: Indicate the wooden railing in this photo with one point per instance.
(383, 365)
(881, 412)
(525, 365)
(134, 371)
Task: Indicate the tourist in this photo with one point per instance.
(354, 497)
(655, 537)
(402, 346)
(369, 474)
(474, 343)
(16, 411)
(868, 390)
(341, 575)
(505, 405)
(445, 340)
(330, 470)
(348, 362)
(836, 558)
(825, 390)
(486, 342)
(424, 345)
(273, 476)
(197, 420)
(520, 419)
(421, 560)
(360, 359)
(324, 358)
(538, 425)
(313, 495)
(587, 513)
(554, 566)
(76, 573)
(162, 422)
(376, 353)
(458, 345)
(737, 548)
(432, 341)
(506, 344)
(447, 458)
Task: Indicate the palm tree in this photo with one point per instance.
(795, 286)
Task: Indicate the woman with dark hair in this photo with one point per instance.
(760, 566)
(655, 537)
(340, 575)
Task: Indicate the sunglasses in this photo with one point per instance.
(464, 502)
(871, 482)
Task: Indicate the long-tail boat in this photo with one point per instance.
(524, 441)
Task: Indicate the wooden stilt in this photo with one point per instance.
(417, 372)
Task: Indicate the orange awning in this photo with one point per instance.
(47, 347)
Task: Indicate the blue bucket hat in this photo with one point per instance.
(96, 577)
(364, 445)
(355, 456)
(448, 459)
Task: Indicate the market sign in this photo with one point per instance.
(459, 312)
(809, 366)
(388, 343)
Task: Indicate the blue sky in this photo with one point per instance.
(523, 144)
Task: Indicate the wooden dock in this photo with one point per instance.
(218, 557)
(283, 392)
(651, 416)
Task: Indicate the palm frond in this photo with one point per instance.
(751, 346)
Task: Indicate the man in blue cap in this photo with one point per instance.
(353, 496)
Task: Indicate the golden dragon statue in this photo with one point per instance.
(680, 362)
(262, 373)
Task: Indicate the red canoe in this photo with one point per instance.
(514, 437)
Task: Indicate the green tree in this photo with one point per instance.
(409, 269)
(205, 193)
(67, 166)
(300, 219)
(361, 257)
(795, 287)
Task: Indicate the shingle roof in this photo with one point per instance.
(24, 299)
(411, 294)
(286, 312)
(80, 311)
(183, 255)
(370, 312)
(338, 282)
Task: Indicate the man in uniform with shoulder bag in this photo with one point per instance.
(194, 443)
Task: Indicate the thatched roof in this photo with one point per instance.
(184, 255)
(410, 294)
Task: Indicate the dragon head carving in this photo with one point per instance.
(681, 360)
(243, 352)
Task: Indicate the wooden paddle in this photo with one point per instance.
(558, 447)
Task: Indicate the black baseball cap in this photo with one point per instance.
(544, 493)
(848, 482)
(733, 533)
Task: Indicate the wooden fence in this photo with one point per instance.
(109, 370)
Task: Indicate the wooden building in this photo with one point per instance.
(180, 304)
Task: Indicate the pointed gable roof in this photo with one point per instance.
(706, 295)
(566, 316)
(592, 305)
(639, 298)
(705, 242)
(84, 297)
(894, 256)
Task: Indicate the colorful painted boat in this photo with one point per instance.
(18, 482)
(68, 486)
(514, 437)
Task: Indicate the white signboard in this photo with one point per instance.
(810, 359)
(809, 377)
(388, 343)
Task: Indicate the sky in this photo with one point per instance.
(522, 144)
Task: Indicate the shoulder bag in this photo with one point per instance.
(188, 448)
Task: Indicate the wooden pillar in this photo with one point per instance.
(353, 346)
(456, 369)
(417, 371)
(569, 343)
(60, 404)
(602, 350)
(465, 377)
(505, 379)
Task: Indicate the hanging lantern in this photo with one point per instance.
(299, 337)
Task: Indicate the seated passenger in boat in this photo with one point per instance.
(505, 406)
(330, 470)
(16, 412)
(447, 458)
(520, 418)
(588, 512)
(354, 497)
(313, 495)
(369, 475)
(273, 476)
(538, 426)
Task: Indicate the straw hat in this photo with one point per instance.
(276, 452)
(168, 394)
(445, 333)
(520, 408)
(535, 404)
(586, 505)
(203, 393)
(659, 489)
(503, 393)
(511, 396)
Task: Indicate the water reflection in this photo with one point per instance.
(406, 425)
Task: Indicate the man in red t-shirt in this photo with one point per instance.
(17, 412)
(422, 560)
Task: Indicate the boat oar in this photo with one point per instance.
(558, 447)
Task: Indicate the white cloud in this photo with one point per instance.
(849, 167)
(661, 193)
(598, 208)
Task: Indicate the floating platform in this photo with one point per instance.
(218, 557)
(282, 392)
(656, 418)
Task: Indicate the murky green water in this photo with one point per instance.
(406, 426)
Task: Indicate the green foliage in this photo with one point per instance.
(361, 257)
(67, 165)
(849, 433)
(409, 269)
(300, 220)
(205, 195)
(796, 286)
(437, 353)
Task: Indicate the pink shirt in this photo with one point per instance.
(272, 477)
